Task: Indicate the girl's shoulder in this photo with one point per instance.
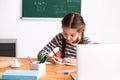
(59, 35)
(87, 40)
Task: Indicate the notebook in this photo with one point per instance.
(98, 62)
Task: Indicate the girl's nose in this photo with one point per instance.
(68, 37)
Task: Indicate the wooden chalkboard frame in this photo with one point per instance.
(37, 9)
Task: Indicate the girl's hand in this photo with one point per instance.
(57, 60)
(69, 60)
(54, 59)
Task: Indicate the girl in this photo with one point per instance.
(73, 27)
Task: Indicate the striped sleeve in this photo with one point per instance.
(70, 49)
(87, 40)
(55, 42)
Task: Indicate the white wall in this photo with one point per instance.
(101, 17)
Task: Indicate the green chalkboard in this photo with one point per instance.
(49, 8)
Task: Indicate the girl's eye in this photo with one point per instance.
(72, 35)
(64, 34)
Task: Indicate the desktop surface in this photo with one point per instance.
(50, 70)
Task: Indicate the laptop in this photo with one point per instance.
(98, 62)
(74, 76)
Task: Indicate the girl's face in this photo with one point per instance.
(71, 35)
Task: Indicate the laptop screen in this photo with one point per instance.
(98, 62)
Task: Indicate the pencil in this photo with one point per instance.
(53, 52)
(69, 71)
(31, 61)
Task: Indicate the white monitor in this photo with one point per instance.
(98, 62)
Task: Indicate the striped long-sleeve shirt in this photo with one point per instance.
(70, 49)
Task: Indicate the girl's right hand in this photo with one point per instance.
(54, 60)
(57, 60)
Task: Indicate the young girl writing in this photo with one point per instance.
(73, 27)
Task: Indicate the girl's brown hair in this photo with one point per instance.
(74, 21)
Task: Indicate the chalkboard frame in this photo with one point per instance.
(46, 18)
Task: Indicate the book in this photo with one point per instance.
(21, 75)
(71, 64)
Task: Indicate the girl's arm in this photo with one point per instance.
(54, 60)
(50, 46)
(69, 60)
